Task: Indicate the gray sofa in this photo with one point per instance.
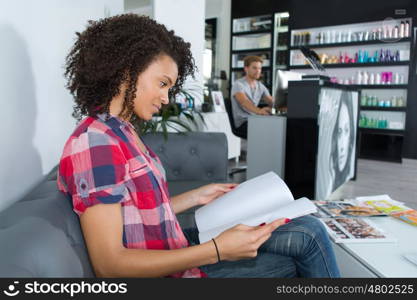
(40, 235)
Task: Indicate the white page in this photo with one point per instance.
(293, 210)
(256, 196)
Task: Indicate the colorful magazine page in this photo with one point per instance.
(355, 230)
(409, 216)
(385, 206)
(346, 209)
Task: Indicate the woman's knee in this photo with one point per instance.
(309, 225)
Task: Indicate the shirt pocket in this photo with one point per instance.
(137, 168)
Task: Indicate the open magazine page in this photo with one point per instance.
(253, 197)
(345, 209)
(355, 230)
(293, 210)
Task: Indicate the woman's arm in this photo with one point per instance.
(200, 196)
(102, 227)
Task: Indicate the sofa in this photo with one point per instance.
(40, 235)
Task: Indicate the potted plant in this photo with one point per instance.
(175, 116)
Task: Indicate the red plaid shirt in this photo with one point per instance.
(102, 163)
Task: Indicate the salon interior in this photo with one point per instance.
(341, 74)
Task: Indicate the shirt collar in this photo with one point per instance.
(114, 121)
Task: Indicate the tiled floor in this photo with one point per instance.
(399, 181)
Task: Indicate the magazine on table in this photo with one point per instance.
(393, 208)
(345, 209)
(355, 230)
(262, 199)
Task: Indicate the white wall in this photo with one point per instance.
(187, 19)
(35, 37)
(221, 9)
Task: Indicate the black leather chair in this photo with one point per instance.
(228, 105)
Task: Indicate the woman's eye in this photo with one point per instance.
(163, 84)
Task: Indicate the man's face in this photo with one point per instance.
(254, 70)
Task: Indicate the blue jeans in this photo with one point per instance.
(300, 248)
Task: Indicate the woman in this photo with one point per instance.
(343, 141)
(121, 70)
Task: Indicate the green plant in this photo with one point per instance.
(172, 116)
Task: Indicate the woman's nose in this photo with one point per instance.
(165, 99)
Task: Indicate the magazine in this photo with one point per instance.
(345, 209)
(396, 209)
(355, 230)
(382, 203)
(409, 216)
(262, 199)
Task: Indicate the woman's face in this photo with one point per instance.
(153, 85)
(343, 136)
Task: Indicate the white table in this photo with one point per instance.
(380, 259)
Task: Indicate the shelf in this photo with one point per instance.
(252, 50)
(251, 32)
(382, 131)
(357, 65)
(281, 48)
(376, 42)
(383, 108)
(380, 86)
(281, 66)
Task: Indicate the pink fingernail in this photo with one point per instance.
(262, 224)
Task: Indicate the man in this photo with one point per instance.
(247, 92)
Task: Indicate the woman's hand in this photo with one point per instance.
(210, 192)
(242, 241)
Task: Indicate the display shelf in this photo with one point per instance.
(252, 32)
(252, 50)
(383, 108)
(369, 37)
(382, 131)
(355, 65)
(358, 43)
(380, 86)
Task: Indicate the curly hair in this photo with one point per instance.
(117, 50)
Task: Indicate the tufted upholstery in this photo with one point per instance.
(40, 235)
(190, 156)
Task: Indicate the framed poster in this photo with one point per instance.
(218, 101)
(336, 155)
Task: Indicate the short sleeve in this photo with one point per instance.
(237, 87)
(93, 170)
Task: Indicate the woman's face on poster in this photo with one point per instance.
(343, 137)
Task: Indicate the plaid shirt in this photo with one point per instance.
(102, 163)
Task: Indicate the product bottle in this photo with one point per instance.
(407, 29)
(378, 78)
(359, 77)
(381, 56)
(401, 34)
(379, 33)
(395, 32)
(365, 78)
(371, 78)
